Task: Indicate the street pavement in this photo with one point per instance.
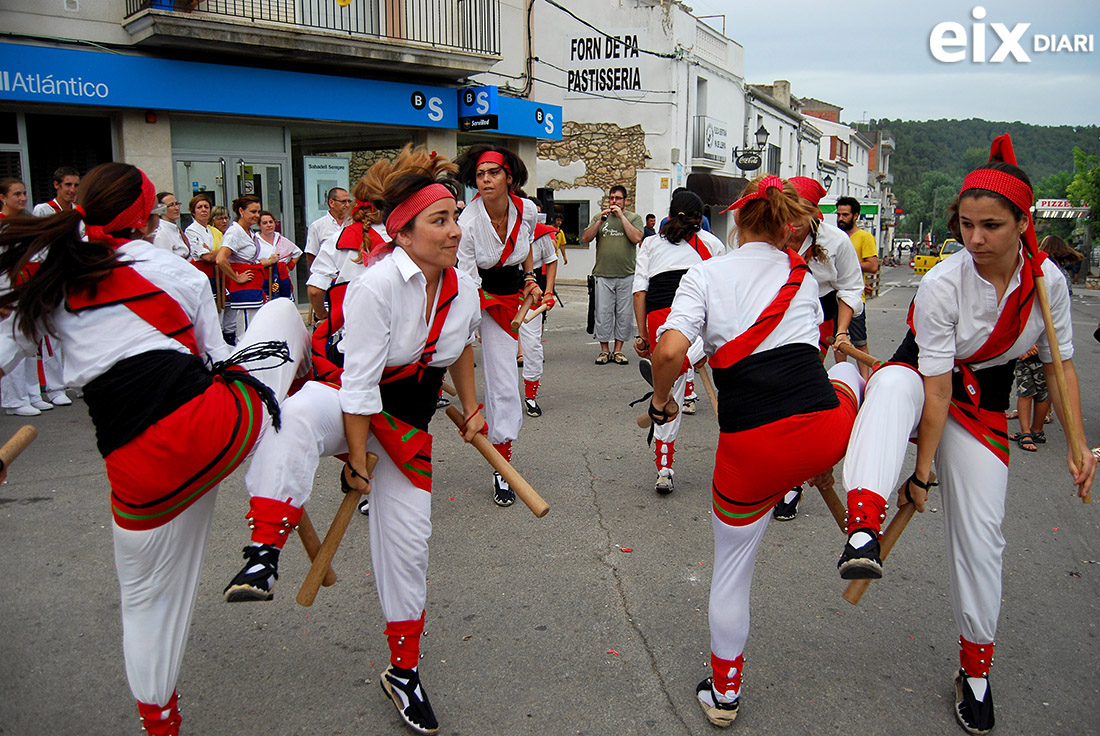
(592, 620)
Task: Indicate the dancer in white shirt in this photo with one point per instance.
(758, 315)
(950, 383)
(142, 337)
(662, 261)
(496, 251)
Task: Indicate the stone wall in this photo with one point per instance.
(611, 154)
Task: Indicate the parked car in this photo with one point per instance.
(926, 260)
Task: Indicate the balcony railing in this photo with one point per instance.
(463, 25)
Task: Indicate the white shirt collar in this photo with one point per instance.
(405, 265)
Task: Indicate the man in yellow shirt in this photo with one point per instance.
(847, 212)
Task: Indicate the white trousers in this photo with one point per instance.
(52, 368)
(20, 386)
(735, 549)
(400, 513)
(668, 431)
(530, 337)
(972, 481)
(503, 402)
(158, 569)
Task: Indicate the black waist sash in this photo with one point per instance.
(662, 290)
(135, 393)
(772, 385)
(830, 306)
(995, 381)
(502, 280)
(413, 401)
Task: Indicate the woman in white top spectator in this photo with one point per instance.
(286, 254)
(239, 259)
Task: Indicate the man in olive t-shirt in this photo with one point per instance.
(617, 233)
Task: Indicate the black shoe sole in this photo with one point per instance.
(860, 568)
(645, 367)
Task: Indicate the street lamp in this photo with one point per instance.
(749, 159)
(827, 181)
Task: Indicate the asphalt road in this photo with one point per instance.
(549, 626)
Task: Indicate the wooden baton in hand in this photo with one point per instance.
(523, 489)
(335, 534)
(518, 319)
(535, 313)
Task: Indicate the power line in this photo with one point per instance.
(605, 34)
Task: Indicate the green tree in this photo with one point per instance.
(1085, 187)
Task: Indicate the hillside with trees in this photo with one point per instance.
(933, 156)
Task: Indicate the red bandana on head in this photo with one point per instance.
(1011, 188)
(134, 216)
(761, 192)
(810, 190)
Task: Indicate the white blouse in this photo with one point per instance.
(656, 255)
(840, 272)
(385, 327)
(956, 310)
(481, 246)
(95, 339)
(721, 298)
(242, 246)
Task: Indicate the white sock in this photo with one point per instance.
(978, 685)
(859, 539)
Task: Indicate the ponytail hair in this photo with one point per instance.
(242, 203)
(70, 263)
(772, 214)
(685, 217)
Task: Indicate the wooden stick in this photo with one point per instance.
(535, 312)
(644, 419)
(826, 486)
(523, 489)
(312, 543)
(862, 357)
(708, 386)
(518, 319)
(18, 442)
(219, 288)
(448, 388)
(335, 534)
(1069, 420)
(857, 588)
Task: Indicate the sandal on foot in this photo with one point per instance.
(619, 358)
(603, 357)
(1039, 438)
(1026, 443)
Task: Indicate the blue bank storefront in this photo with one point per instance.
(227, 130)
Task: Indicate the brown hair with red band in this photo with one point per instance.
(116, 200)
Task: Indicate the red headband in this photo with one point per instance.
(761, 192)
(134, 216)
(494, 157)
(807, 188)
(1012, 189)
(414, 205)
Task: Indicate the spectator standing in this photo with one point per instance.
(170, 235)
(274, 245)
(847, 212)
(66, 180)
(328, 224)
(617, 233)
(650, 225)
(559, 246)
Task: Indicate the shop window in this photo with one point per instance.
(575, 217)
(64, 140)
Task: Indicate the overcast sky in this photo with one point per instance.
(872, 57)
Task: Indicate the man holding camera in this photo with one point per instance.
(617, 233)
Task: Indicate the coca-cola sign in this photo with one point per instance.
(749, 161)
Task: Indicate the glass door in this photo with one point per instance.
(263, 179)
(209, 176)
